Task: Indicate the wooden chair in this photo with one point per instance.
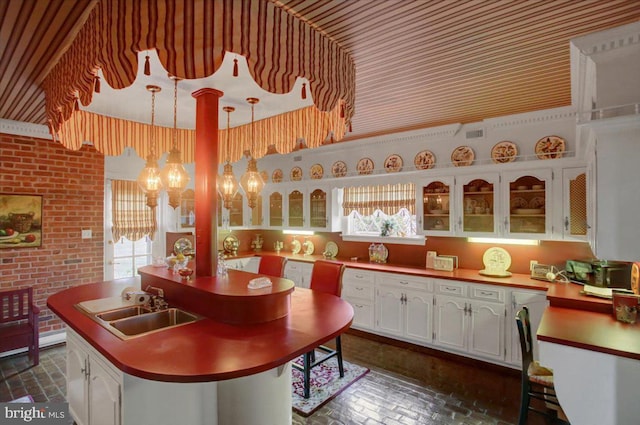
(537, 380)
(326, 276)
(19, 322)
(272, 265)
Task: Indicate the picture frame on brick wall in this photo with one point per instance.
(20, 221)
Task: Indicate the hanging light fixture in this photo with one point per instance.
(174, 176)
(251, 180)
(149, 178)
(229, 185)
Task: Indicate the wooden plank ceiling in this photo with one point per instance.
(418, 63)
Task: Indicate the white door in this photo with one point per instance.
(486, 331)
(389, 309)
(450, 322)
(104, 397)
(77, 391)
(418, 315)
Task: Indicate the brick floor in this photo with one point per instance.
(404, 387)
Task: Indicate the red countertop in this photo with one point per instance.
(207, 350)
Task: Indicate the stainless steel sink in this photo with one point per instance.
(122, 313)
(145, 323)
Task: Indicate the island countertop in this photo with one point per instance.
(207, 350)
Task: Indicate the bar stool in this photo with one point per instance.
(272, 265)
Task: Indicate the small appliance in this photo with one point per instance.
(602, 273)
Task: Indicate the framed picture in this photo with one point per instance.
(20, 221)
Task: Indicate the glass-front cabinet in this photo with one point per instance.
(318, 209)
(275, 209)
(528, 198)
(296, 209)
(437, 206)
(188, 209)
(478, 200)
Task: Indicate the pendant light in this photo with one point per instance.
(229, 185)
(149, 178)
(251, 180)
(174, 176)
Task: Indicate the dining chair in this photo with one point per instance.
(272, 265)
(537, 380)
(19, 322)
(326, 276)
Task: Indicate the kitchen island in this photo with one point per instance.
(223, 372)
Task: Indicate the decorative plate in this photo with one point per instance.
(550, 147)
(504, 152)
(308, 247)
(295, 246)
(462, 156)
(537, 202)
(296, 174)
(331, 249)
(265, 176)
(339, 169)
(519, 203)
(183, 246)
(424, 160)
(496, 262)
(365, 166)
(276, 176)
(230, 243)
(393, 163)
(316, 172)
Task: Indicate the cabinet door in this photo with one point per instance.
(275, 209)
(293, 271)
(296, 209)
(104, 397)
(486, 329)
(318, 216)
(389, 309)
(363, 315)
(77, 381)
(236, 212)
(418, 315)
(574, 204)
(537, 303)
(450, 322)
(528, 204)
(435, 206)
(478, 199)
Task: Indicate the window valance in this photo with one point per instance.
(191, 38)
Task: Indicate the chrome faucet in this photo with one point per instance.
(157, 301)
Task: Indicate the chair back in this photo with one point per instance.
(326, 276)
(524, 330)
(15, 304)
(272, 265)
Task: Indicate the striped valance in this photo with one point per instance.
(191, 37)
(111, 135)
(388, 198)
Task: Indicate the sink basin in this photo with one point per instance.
(121, 313)
(150, 322)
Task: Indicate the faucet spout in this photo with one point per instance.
(157, 301)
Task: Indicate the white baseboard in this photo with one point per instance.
(44, 341)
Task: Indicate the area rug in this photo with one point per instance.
(325, 384)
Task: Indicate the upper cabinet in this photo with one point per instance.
(436, 206)
(528, 204)
(477, 200)
(575, 224)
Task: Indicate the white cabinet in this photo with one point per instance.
(528, 209)
(359, 291)
(93, 388)
(470, 318)
(436, 206)
(575, 224)
(299, 272)
(536, 301)
(247, 264)
(478, 208)
(404, 306)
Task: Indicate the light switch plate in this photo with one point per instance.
(86, 234)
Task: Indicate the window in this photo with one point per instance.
(128, 256)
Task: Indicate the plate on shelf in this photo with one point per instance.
(550, 147)
(331, 249)
(183, 246)
(528, 211)
(265, 176)
(438, 211)
(393, 163)
(537, 202)
(308, 247)
(462, 156)
(424, 160)
(339, 169)
(295, 246)
(496, 262)
(519, 203)
(365, 166)
(276, 176)
(296, 174)
(316, 172)
(230, 243)
(504, 152)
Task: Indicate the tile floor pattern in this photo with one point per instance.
(403, 387)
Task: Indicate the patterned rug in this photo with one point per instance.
(325, 383)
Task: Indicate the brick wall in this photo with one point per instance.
(72, 187)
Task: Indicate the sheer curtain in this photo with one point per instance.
(130, 215)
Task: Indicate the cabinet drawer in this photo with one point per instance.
(294, 266)
(362, 290)
(482, 292)
(451, 288)
(406, 281)
(357, 275)
(362, 313)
